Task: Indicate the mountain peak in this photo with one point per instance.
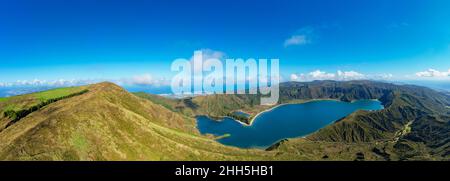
(105, 86)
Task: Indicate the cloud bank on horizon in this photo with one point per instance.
(432, 73)
(148, 79)
(338, 76)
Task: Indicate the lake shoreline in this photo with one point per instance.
(295, 102)
(284, 129)
(252, 118)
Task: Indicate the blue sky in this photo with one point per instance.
(127, 40)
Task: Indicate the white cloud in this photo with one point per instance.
(142, 80)
(53, 83)
(296, 40)
(207, 54)
(145, 79)
(294, 77)
(350, 75)
(302, 37)
(319, 75)
(339, 75)
(382, 76)
(432, 73)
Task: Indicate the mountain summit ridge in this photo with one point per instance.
(108, 123)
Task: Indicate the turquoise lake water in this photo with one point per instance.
(285, 121)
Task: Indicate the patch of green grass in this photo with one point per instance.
(11, 107)
(56, 93)
(3, 99)
(80, 142)
(17, 107)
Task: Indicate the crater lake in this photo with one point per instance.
(283, 121)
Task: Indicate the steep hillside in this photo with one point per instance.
(414, 124)
(14, 108)
(421, 111)
(108, 123)
(216, 106)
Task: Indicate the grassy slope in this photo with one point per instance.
(10, 106)
(108, 123)
(28, 100)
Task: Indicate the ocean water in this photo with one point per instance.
(285, 121)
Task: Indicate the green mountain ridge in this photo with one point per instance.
(425, 109)
(106, 122)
